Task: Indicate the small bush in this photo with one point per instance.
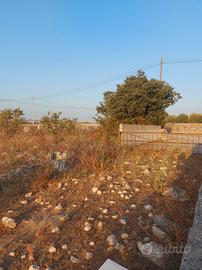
(55, 124)
(11, 121)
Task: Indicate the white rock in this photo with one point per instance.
(100, 224)
(10, 212)
(109, 178)
(112, 202)
(55, 230)
(122, 221)
(74, 259)
(8, 222)
(52, 249)
(94, 189)
(89, 255)
(137, 189)
(12, 254)
(34, 267)
(115, 216)
(99, 192)
(23, 257)
(92, 244)
(58, 207)
(124, 236)
(150, 215)
(28, 195)
(153, 252)
(24, 202)
(148, 207)
(59, 185)
(105, 211)
(127, 163)
(86, 199)
(87, 227)
(133, 206)
(111, 240)
(90, 219)
(64, 247)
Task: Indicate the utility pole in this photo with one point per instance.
(161, 68)
(33, 111)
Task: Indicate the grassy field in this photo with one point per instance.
(108, 184)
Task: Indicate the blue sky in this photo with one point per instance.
(52, 46)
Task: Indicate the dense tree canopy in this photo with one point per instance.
(138, 100)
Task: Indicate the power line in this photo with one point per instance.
(50, 105)
(96, 84)
(93, 85)
(182, 61)
(63, 105)
(106, 81)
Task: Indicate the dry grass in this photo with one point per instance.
(101, 156)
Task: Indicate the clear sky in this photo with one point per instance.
(48, 47)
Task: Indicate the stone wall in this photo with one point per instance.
(192, 258)
(184, 127)
(156, 138)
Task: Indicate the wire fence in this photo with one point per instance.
(161, 140)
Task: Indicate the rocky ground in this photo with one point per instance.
(144, 202)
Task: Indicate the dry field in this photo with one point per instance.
(66, 219)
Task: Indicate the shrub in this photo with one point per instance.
(11, 121)
(55, 124)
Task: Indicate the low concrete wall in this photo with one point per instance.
(192, 258)
(139, 128)
(184, 127)
(156, 138)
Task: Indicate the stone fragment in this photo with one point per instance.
(89, 255)
(160, 234)
(111, 240)
(176, 193)
(74, 259)
(52, 249)
(153, 252)
(8, 222)
(34, 267)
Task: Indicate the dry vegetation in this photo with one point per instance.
(124, 177)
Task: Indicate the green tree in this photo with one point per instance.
(55, 124)
(195, 118)
(170, 119)
(11, 120)
(182, 118)
(137, 101)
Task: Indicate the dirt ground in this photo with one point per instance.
(136, 179)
